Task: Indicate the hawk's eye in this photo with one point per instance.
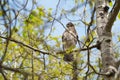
(68, 25)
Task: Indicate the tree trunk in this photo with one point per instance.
(105, 39)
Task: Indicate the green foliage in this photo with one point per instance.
(76, 1)
(91, 3)
(119, 15)
(82, 1)
(31, 35)
(1, 13)
(110, 4)
(90, 38)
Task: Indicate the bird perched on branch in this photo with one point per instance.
(69, 39)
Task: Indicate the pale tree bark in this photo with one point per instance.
(104, 24)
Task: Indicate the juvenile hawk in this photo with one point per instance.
(69, 39)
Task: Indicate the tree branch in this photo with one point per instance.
(28, 46)
(4, 76)
(112, 16)
(16, 70)
(48, 53)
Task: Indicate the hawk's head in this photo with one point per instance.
(70, 24)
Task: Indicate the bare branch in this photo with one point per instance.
(28, 46)
(16, 70)
(112, 16)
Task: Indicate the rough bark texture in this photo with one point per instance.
(105, 37)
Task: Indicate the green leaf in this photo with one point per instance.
(1, 13)
(118, 37)
(119, 15)
(76, 1)
(82, 1)
(110, 4)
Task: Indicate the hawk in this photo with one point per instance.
(69, 39)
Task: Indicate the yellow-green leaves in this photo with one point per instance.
(36, 17)
(90, 38)
(1, 13)
(119, 15)
(49, 14)
(56, 40)
(110, 4)
(119, 38)
(41, 11)
(82, 1)
(76, 1)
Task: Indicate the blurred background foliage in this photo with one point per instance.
(30, 37)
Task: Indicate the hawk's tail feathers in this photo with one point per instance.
(68, 57)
